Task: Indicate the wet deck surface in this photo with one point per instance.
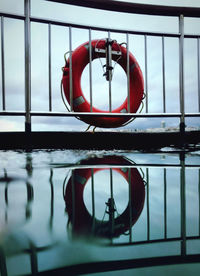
(74, 212)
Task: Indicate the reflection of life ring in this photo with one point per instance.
(80, 58)
(82, 222)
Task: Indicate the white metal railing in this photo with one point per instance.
(180, 13)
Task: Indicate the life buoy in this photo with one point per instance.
(80, 58)
(83, 224)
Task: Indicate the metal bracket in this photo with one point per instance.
(108, 52)
(103, 51)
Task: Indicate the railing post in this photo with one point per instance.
(146, 72)
(198, 72)
(3, 64)
(128, 73)
(163, 73)
(27, 66)
(70, 71)
(109, 62)
(181, 72)
(90, 69)
(49, 63)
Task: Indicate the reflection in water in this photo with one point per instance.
(8, 182)
(81, 221)
(158, 225)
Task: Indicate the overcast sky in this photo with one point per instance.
(14, 54)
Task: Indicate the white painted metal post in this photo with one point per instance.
(3, 65)
(128, 73)
(90, 69)
(49, 63)
(163, 73)
(109, 59)
(181, 72)
(146, 72)
(198, 72)
(27, 66)
(70, 70)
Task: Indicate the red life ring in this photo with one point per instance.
(82, 221)
(80, 58)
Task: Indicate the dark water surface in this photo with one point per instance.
(105, 212)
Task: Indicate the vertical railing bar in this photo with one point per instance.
(128, 71)
(3, 64)
(198, 70)
(163, 73)
(181, 73)
(110, 72)
(165, 203)
(50, 87)
(90, 69)
(70, 69)
(146, 72)
(130, 205)
(93, 200)
(148, 215)
(183, 207)
(27, 10)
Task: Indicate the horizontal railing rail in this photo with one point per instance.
(102, 114)
(129, 7)
(95, 28)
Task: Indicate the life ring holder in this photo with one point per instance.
(83, 223)
(80, 58)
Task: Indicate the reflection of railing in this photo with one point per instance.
(29, 189)
(147, 167)
(115, 6)
(183, 239)
(32, 249)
